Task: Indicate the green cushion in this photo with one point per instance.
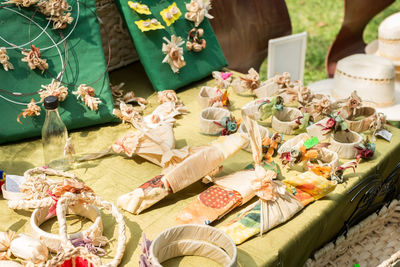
(86, 63)
(148, 45)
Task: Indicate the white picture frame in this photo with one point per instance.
(287, 54)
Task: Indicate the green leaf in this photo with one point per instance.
(309, 143)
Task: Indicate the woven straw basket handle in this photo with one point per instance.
(62, 206)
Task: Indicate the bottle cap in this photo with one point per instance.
(51, 102)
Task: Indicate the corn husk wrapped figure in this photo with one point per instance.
(4, 59)
(174, 53)
(197, 10)
(200, 162)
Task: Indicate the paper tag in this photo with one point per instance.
(309, 143)
(385, 134)
(13, 182)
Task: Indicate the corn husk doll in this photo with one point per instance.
(201, 162)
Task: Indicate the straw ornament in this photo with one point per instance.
(168, 96)
(4, 59)
(57, 11)
(197, 10)
(128, 113)
(5, 244)
(31, 111)
(23, 3)
(53, 89)
(174, 53)
(251, 80)
(34, 60)
(86, 94)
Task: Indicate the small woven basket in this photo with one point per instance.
(373, 242)
(114, 32)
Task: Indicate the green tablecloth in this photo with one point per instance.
(290, 244)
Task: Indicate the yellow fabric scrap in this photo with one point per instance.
(169, 12)
(139, 8)
(150, 27)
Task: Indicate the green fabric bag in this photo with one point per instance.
(86, 64)
(148, 45)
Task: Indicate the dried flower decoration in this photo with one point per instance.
(223, 79)
(55, 89)
(270, 145)
(320, 106)
(174, 53)
(33, 57)
(23, 3)
(365, 150)
(4, 59)
(128, 113)
(31, 111)
(229, 125)
(335, 123)
(282, 79)
(251, 81)
(57, 11)
(194, 41)
(130, 97)
(168, 96)
(5, 244)
(86, 94)
(197, 10)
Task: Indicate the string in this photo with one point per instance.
(44, 30)
(60, 75)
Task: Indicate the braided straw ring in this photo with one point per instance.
(53, 241)
(344, 144)
(70, 252)
(193, 239)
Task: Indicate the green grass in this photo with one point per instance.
(322, 19)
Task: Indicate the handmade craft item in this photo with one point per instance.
(365, 150)
(86, 94)
(55, 88)
(223, 79)
(32, 110)
(34, 59)
(168, 96)
(53, 241)
(139, 8)
(149, 25)
(128, 113)
(344, 143)
(189, 240)
(25, 247)
(271, 145)
(228, 192)
(201, 162)
(333, 123)
(174, 53)
(4, 59)
(194, 41)
(284, 121)
(57, 11)
(269, 107)
(171, 14)
(248, 82)
(276, 204)
(217, 121)
(164, 113)
(319, 107)
(197, 10)
(273, 85)
(213, 97)
(264, 136)
(71, 255)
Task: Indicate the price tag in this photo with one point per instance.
(385, 134)
(309, 143)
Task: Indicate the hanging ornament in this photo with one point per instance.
(33, 57)
(31, 111)
(86, 94)
(55, 89)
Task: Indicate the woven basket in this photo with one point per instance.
(373, 242)
(114, 32)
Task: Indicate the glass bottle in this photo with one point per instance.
(54, 136)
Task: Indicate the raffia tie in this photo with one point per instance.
(86, 94)
(174, 53)
(197, 10)
(4, 59)
(34, 60)
(54, 89)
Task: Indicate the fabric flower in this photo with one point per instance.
(174, 53)
(4, 59)
(330, 123)
(365, 150)
(32, 110)
(269, 107)
(34, 60)
(229, 124)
